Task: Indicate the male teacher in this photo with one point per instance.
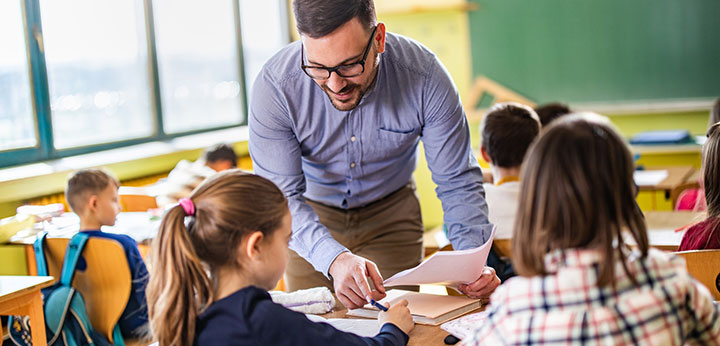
(335, 121)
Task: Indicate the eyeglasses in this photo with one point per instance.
(349, 70)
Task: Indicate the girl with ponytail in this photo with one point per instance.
(216, 255)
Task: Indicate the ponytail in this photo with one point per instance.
(224, 208)
(179, 287)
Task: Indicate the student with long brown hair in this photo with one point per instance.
(216, 255)
(714, 113)
(579, 281)
(706, 234)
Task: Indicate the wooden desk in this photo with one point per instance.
(677, 175)
(658, 196)
(138, 225)
(421, 335)
(661, 227)
(20, 295)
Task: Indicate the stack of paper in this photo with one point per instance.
(463, 326)
(425, 308)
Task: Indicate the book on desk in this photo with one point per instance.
(430, 309)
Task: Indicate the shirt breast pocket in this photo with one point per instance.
(392, 143)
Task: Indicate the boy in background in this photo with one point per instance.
(507, 131)
(551, 111)
(93, 195)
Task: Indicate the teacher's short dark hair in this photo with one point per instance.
(317, 18)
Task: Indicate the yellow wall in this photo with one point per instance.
(442, 26)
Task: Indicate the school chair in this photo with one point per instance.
(704, 266)
(503, 247)
(105, 284)
(137, 198)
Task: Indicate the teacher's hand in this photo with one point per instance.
(483, 287)
(350, 273)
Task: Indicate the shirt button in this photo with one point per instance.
(352, 164)
(352, 139)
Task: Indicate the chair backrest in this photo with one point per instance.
(503, 247)
(134, 198)
(105, 284)
(704, 266)
(677, 191)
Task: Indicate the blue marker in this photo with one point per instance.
(378, 305)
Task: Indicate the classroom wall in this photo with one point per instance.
(442, 26)
(448, 28)
(599, 50)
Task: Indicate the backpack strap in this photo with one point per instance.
(39, 248)
(72, 256)
(117, 336)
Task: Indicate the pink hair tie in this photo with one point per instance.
(188, 206)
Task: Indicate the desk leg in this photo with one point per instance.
(31, 305)
(30, 259)
(37, 319)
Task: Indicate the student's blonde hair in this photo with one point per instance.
(85, 183)
(577, 191)
(228, 206)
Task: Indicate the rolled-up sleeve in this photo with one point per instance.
(455, 170)
(276, 155)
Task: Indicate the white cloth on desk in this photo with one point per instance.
(316, 300)
(502, 201)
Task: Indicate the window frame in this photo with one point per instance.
(44, 149)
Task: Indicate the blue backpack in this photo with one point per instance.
(66, 318)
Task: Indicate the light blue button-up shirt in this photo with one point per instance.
(349, 159)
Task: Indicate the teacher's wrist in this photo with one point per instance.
(338, 258)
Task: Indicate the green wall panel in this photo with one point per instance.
(599, 50)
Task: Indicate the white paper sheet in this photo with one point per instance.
(358, 326)
(448, 268)
(649, 178)
(464, 326)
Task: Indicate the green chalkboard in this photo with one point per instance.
(599, 50)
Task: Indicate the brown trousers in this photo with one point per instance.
(388, 232)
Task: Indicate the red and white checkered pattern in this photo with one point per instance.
(567, 307)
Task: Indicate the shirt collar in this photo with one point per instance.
(506, 180)
(374, 85)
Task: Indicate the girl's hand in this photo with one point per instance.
(399, 315)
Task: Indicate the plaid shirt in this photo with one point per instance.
(567, 308)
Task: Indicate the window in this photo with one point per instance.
(264, 32)
(198, 64)
(78, 76)
(17, 119)
(98, 78)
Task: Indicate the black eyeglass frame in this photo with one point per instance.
(336, 69)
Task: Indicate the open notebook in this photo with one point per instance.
(425, 308)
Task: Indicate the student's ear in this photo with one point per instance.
(92, 202)
(379, 38)
(252, 245)
(485, 155)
